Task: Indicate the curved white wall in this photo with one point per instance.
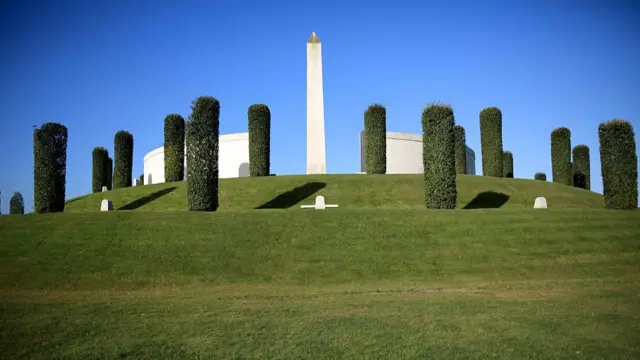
(404, 154)
(154, 166)
(233, 159)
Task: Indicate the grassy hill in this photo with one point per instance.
(381, 277)
(349, 191)
(349, 283)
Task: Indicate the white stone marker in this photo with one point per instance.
(104, 188)
(106, 205)
(540, 203)
(316, 152)
(320, 204)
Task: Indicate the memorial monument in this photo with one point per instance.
(316, 152)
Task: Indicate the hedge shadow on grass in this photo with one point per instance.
(294, 196)
(147, 199)
(487, 200)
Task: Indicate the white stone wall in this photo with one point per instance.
(404, 154)
(233, 159)
(154, 166)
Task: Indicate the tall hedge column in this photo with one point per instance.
(461, 149)
(491, 141)
(16, 204)
(173, 148)
(50, 167)
(540, 176)
(507, 164)
(100, 175)
(581, 167)
(109, 173)
(202, 154)
(619, 163)
(561, 156)
(439, 157)
(375, 135)
(259, 117)
(123, 168)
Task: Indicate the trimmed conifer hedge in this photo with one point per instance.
(173, 148)
(16, 204)
(561, 156)
(581, 167)
(507, 164)
(461, 149)
(50, 167)
(202, 153)
(540, 176)
(491, 141)
(123, 153)
(259, 117)
(100, 175)
(439, 157)
(619, 164)
(109, 173)
(375, 139)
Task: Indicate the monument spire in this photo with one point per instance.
(313, 39)
(316, 152)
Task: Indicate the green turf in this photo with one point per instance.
(343, 283)
(349, 191)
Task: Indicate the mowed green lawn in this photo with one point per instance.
(334, 284)
(349, 191)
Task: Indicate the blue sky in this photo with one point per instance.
(102, 66)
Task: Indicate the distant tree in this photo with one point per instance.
(141, 179)
(491, 141)
(561, 156)
(50, 167)
(375, 139)
(100, 175)
(619, 163)
(259, 117)
(540, 176)
(507, 164)
(581, 167)
(109, 173)
(16, 205)
(202, 153)
(173, 148)
(123, 149)
(439, 157)
(461, 149)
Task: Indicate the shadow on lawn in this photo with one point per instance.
(147, 199)
(292, 197)
(487, 200)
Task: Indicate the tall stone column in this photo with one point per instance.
(316, 151)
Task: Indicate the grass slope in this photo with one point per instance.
(350, 283)
(349, 191)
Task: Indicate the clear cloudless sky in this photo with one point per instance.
(102, 66)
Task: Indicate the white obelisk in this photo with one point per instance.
(316, 152)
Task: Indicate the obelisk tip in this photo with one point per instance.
(313, 39)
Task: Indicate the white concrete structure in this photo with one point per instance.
(233, 159)
(104, 188)
(316, 152)
(404, 154)
(540, 203)
(106, 205)
(320, 204)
